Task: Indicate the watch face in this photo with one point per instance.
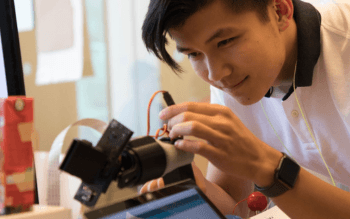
(288, 172)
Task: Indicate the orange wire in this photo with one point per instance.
(237, 205)
(164, 129)
(148, 117)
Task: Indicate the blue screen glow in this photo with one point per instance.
(188, 204)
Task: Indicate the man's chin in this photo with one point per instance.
(245, 101)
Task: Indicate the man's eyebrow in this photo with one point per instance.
(182, 49)
(219, 33)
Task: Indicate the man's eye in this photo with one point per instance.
(192, 55)
(224, 42)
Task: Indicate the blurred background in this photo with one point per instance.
(86, 59)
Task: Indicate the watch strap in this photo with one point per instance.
(277, 188)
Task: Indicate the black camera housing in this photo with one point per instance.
(115, 157)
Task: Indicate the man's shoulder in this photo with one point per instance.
(335, 38)
(335, 17)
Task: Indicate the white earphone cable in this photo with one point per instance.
(307, 124)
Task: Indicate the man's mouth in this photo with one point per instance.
(238, 84)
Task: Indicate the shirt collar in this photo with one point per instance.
(308, 21)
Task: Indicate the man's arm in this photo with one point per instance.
(226, 190)
(310, 198)
(313, 198)
(235, 150)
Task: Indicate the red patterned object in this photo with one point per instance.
(16, 155)
(257, 201)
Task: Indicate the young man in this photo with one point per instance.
(249, 51)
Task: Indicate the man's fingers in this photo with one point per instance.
(147, 187)
(198, 147)
(202, 108)
(152, 185)
(143, 189)
(160, 183)
(190, 116)
(197, 129)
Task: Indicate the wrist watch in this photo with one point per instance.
(286, 175)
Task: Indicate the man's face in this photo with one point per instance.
(233, 52)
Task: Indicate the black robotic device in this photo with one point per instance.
(116, 157)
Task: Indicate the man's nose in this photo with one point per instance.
(217, 69)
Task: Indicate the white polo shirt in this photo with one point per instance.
(325, 102)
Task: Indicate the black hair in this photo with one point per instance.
(163, 15)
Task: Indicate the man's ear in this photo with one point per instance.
(284, 10)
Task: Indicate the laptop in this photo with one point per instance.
(181, 200)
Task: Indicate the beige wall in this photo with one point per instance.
(54, 105)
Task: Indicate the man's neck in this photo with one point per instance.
(288, 68)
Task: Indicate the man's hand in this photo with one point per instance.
(159, 183)
(228, 144)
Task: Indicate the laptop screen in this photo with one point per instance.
(3, 85)
(187, 204)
